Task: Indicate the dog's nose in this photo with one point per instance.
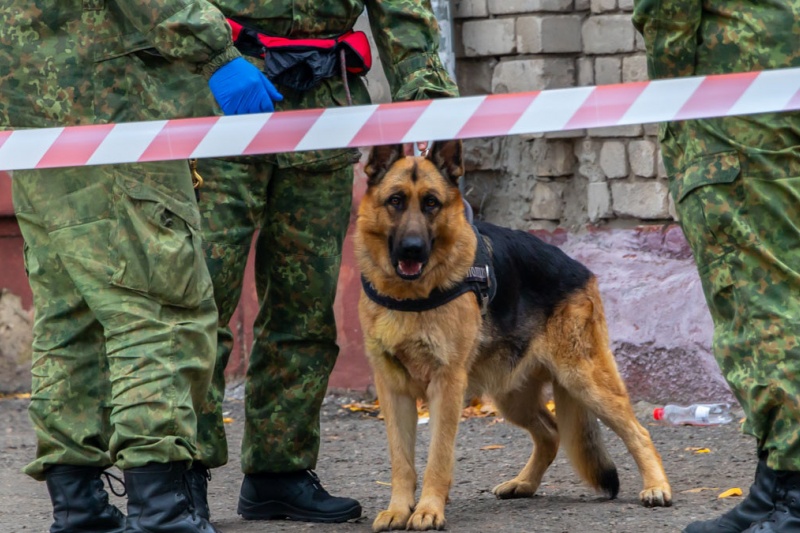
(412, 247)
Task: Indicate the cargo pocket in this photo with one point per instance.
(708, 198)
(157, 248)
(714, 169)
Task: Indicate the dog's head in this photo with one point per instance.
(412, 212)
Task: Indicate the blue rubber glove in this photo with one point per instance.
(240, 88)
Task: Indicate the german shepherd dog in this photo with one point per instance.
(545, 326)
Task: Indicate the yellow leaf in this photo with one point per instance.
(493, 447)
(364, 407)
(16, 395)
(551, 406)
(227, 420)
(735, 491)
(702, 450)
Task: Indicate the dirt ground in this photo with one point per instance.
(354, 462)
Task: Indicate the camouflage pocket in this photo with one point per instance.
(158, 252)
(714, 169)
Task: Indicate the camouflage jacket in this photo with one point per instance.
(406, 37)
(698, 37)
(68, 62)
(405, 32)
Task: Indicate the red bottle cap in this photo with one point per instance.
(658, 413)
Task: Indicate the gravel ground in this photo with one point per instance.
(354, 462)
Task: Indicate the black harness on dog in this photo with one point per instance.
(480, 279)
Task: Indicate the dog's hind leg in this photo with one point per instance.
(586, 370)
(400, 414)
(525, 408)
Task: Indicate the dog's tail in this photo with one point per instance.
(580, 435)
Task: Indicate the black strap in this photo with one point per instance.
(480, 280)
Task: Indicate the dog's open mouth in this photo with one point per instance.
(409, 269)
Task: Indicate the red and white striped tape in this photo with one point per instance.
(453, 118)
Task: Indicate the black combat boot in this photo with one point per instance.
(80, 503)
(159, 501)
(785, 517)
(198, 477)
(756, 506)
(293, 495)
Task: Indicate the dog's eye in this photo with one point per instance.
(395, 201)
(431, 202)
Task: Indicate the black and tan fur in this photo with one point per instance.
(544, 327)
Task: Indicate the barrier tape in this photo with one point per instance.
(451, 118)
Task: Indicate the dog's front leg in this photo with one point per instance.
(446, 395)
(400, 414)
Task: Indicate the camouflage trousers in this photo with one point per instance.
(745, 234)
(301, 217)
(124, 334)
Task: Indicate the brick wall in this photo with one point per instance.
(600, 176)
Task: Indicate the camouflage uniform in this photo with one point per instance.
(125, 319)
(736, 186)
(300, 205)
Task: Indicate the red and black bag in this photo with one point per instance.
(302, 63)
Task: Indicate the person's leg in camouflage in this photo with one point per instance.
(232, 201)
(298, 255)
(68, 349)
(126, 238)
(745, 235)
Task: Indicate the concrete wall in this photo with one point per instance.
(566, 179)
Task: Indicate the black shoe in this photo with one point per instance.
(785, 517)
(294, 495)
(80, 503)
(197, 478)
(159, 501)
(756, 506)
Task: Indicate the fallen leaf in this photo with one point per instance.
(551, 406)
(227, 420)
(698, 489)
(383, 483)
(697, 449)
(16, 396)
(493, 447)
(363, 407)
(735, 491)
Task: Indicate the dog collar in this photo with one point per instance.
(480, 279)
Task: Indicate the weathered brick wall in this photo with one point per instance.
(601, 176)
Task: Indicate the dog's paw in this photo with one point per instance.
(656, 497)
(391, 519)
(514, 489)
(426, 518)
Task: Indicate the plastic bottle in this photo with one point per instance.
(699, 414)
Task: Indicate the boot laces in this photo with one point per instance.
(187, 489)
(315, 482)
(109, 476)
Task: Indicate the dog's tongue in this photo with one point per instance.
(410, 268)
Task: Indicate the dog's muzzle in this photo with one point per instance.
(410, 256)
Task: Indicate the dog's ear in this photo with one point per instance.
(381, 158)
(448, 156)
